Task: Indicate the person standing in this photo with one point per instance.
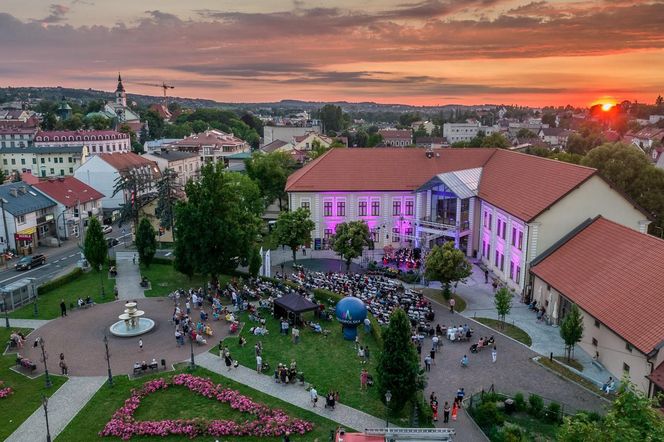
(434, 409)
(446, 412)
(427, 363)
(63, 308)
(140, 344)
(228, 360)
(367, 326)
(63, 364)
(259, 364)
(134, 259)
(295, 333)
(432, 353)
(455, 410)
(494, 354)
(364, 377)
(178, 336)
(486, 276)
(435, 341)
(452, 304)
(419, 350)
(313, 394)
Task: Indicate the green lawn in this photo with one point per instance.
(571, 363)
(569, 374)
(26, 398)
(330, 363)
(165, 279)
(510, 330)
(88, 284)
(178, 402)
(437, 295)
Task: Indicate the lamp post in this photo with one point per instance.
(192, 364)
(6, 311)
(108, 362)
(388, 398)
(47, 378)
(282, 271)
(35, 310)
(45, 405)
(101, 281)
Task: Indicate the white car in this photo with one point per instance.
(107, 229)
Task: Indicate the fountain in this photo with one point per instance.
(131, 322)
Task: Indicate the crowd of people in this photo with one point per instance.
(404, 258)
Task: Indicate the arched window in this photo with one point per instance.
(55, 139)
(71, 138)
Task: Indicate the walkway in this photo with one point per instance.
(63, 405)
(546, 338)
(128, 280)
(26, 323)
(346, 416)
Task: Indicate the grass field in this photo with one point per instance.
(17, 407)
(330, 363)
(178, 402)
(510, 330)
(165, 279)
(88, 284)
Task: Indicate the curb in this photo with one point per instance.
(536, 359)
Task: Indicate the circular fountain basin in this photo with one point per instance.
(120, 328)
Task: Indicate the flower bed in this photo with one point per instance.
(4, 392)
(267, 423)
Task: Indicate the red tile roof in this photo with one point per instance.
(79, 134)
(126, 161)
(526, 185)
(396, 133)
(657, 376)
(615, 274)
(67, 190)
(523, 185)
(365, 169)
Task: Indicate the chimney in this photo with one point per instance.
(23, 190)
(13, 192)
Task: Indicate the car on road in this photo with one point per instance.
(28, 262)
(112, 242)
(107, 229)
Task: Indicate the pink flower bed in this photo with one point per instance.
(268, 422)
(4, 392)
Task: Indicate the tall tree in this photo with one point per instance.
(632, 416)
(349, 240)
(95, 247)
(255, 261)
(571, 330)
(332, 118)
(270, 171)
(218, 224)
(503, 302)
(447, 265)
(134, 185)
(398, 367)
(294, 229)
(146, 243)
(169, 191)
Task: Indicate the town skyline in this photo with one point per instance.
(546, 53)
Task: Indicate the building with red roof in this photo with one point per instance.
(97, 141)
(614, 275)
(211, 145)
(397, 137)
(505, 208)
(76, 203)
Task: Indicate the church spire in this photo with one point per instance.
(120, 87)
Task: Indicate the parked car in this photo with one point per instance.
(107, 229)
(112, 242)
(28, 262)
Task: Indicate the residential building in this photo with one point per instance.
(554, 136)
(646, 137)
(44, 161)
(287, 132)
(505, 208)
(457, 132)
(186, 164)
(16, 137)
(27, 218)
(397, 137)
(18, 118)
(613, 274)
(653, 119)
(427, 125)
(276, 145)
(97, 141)
(76, 204)
(154, 145)
(212, 145)
(103, 172)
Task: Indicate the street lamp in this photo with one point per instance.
(4, 308)
(388, 398)
(47, 378)
(45, 405)
(101, 281)
(192, 364)
(108, 362)
(35, 310)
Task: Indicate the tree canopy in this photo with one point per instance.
(349, 240)
(294, 229)
(168, 193)
(95, 247)
(270, 171)
(146, 243)
(447, 265)
(503, 302)
(571, 329)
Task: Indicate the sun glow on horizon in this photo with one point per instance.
(607, 106)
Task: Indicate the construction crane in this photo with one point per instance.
(163, 85)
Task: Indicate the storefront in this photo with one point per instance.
(25, 240)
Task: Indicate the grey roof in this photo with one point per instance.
(271, 147)
(172, 155)
(43, 149)
(463, 183)
(23, 202)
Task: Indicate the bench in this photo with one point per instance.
(11, 344)
(139, 370)
(85, 305)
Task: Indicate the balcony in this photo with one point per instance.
(437, 223)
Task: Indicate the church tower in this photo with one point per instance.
(120, 94)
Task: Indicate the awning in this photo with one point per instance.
(26, 234)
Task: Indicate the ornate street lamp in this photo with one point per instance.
(44, 358)
(101, 281)
(388, 398)
(45, 405)
(108, 362)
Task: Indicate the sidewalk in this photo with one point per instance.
(128, 280)
(26, 323)
(346, 416)
(63, 405)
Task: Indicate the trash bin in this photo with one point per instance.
(509, 406)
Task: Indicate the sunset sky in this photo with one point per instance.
(390, 51)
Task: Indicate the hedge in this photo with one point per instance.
(59, 282)
(322, 295)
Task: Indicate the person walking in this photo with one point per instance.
(452, 304)
(455, 410)
(259, 363)
(228, 360)
(446, 412)
(434, 409)
(178, 337)
(63, 308)
(63, 365)
(427, 363)
(133, 259)
(295, 333)
(432, 354)
(313, 394)
(419, 350)
(140, 344)
(364, 378)
(486, 276)
(494, 354)
(435, 340)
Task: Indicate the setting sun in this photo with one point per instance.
(607, 106)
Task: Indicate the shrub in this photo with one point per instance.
(323, 295)
(376, 330)
(520, 402)
(553, 412)
(492, 397)
(424, 412)
(487, 415)
(536, 404)
(59, 282)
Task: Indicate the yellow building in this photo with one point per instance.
(44, 161)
